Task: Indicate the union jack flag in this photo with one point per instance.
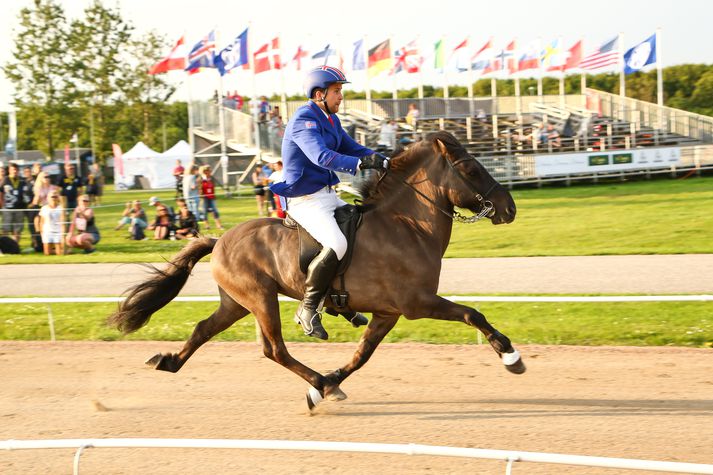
(201, 56)
(407, 59)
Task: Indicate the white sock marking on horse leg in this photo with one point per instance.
(509, 358)
(314, 395)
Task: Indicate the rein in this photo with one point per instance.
(486, 205)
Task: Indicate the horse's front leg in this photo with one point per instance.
(379, 326)
(438, 308)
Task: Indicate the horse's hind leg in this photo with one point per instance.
(266, 309)
(379, 327)
(227, 313)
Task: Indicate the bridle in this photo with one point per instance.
(487, 209)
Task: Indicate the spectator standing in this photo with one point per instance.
(275, 176)
(387, 135)
(178, 175)
(42, 190)
(95, 184)
(72, 186)
(412, 116)
(208, 193)
(52, 225)
(191, 190)
(186, 223)
(14, 190)
(259, 183)
(32, 210)
(264, 110)
(83, 232)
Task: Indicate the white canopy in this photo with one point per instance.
(156, 167)
(181, 151)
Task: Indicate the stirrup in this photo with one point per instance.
(357, 319)
(311, 322)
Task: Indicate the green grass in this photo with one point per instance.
(638, 324)
(662, 216)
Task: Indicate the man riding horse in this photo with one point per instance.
(314, 147)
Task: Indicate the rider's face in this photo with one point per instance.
(334, 97)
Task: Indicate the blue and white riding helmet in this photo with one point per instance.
(321, 78)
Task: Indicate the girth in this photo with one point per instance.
(348, 219)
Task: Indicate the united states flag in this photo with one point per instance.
(606, 55)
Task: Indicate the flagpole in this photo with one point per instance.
(516, 71)
(622, 80)
(659, 76)
(446, 97)
(539, 68)
(366, 70)
(419, 45)
(471, 106)
(255, 110)
(283, 94)
(583, 81)
(191, 140)
(394, 91)
(221, 121)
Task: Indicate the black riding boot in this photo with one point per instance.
(320, 274)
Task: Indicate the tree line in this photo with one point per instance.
(89, 76)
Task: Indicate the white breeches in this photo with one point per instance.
(315, 213)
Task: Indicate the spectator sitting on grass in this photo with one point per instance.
(163, 223)
(154, 201)
(135, 216)
(186, 223)
(83, 232)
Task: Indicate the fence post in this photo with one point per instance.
(50, 319)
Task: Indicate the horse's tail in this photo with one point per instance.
(148, 297)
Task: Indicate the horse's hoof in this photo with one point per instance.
(513, 362)
(314, 397)
(154, 360)
(335, 394)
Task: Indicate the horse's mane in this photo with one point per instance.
(401, 159)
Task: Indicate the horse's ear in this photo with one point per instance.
(441, 148)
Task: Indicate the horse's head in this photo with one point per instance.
(468, 183)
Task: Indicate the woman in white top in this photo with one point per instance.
(52, 224)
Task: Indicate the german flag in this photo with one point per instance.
(380, 58)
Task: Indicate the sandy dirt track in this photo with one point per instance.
(650, 403)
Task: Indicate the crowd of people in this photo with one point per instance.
(57, 213)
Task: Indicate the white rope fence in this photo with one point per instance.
(362, 447)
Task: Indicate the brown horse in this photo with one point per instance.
(407, 222)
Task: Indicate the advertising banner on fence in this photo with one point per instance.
(607, 161)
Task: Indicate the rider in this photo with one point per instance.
(313, 148)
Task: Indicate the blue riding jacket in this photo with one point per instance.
(312, 150)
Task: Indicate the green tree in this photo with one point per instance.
(98, 46)
(39, 72)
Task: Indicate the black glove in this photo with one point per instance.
(376, 161)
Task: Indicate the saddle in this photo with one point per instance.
(348, 219)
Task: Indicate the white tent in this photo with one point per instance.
(156, 167)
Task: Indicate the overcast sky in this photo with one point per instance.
(687, 35)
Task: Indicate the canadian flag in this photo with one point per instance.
(267, 57)
(176, 59)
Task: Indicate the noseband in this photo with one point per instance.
(486, 206)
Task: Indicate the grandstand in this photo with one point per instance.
(521, 140)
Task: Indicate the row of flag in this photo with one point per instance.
(382, 58)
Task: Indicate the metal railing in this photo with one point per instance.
(646, 114)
